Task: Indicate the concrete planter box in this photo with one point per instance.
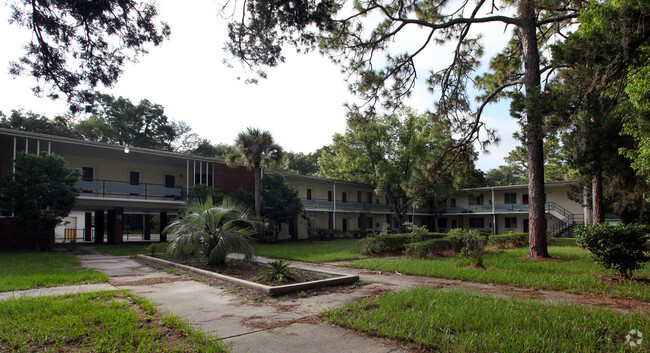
(335, 279)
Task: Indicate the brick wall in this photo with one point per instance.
(228, 179)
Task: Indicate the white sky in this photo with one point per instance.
(301, 102)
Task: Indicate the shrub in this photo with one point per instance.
(279, 272)
(510, 239)
(159, 247)
(394, 243)
(422, 249)
(326, 233)
(621, 247)
(474, 247)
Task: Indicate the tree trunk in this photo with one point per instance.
(597, 196)
(534, 133)
(258, 191)
(640, 220)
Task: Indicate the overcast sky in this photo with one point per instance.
(301, 102)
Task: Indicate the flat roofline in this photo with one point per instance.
(104, 145)
(518, 186)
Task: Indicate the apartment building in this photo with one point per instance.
(118, 180)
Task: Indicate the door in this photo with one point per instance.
(525, 225)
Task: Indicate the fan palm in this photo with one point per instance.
(214, 231)
(256, 149)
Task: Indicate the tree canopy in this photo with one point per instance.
(280, 202)
(406, 158)
(77, 45)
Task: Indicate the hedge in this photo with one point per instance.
(394, 243)
(511, 239)
(434, 246)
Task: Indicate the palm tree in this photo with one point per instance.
(256, 149)
(215, 231)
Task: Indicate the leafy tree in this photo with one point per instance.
(343, 31)
(206, 149)
(243, 197)
(40, 193)
(303, 164)
(403, 158)
(256, 150)
(280, 202)
(117, 120)
(556, 167)
(202, 192)
(77, 45)
(215, 231)
(32, 122)
(502, 175)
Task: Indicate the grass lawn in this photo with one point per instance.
(574, 271)
(112, 321)
(460, 321)
(129, 249)
(43, 269)
(317, 251)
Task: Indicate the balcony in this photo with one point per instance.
(503, 208)
(362, 207)
(118, 189)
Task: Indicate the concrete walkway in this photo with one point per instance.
(272, 325)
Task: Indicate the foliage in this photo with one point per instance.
(280, 202)
(20, 270)
(620, 247)
(215, 231)
(443, 320)
(393, 243)
(202, 192)
(159, 247)
(326, 233)
(637, 124)
(206, 149)
(32, 122)
(510, 239)
(556, 166)
(279, 272)
(473, 247)
(256, 149)
(405, 157)
(574, 271)
(118, 121)
(303, 164)
(506, 175)
(99, 322)
(40, 193)
(243, 197)
(75, 47)
(415, 229)
(316, 251)
(435, 247)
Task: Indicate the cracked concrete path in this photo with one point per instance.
(247, 326)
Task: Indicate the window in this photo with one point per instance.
(329, 195)
(511, 222)
(344, 224)
(442, 223)
(344, 197)
(364, 197)
(476, 222)
(170, 181)
(369, 222)
(87, 174)
(474, 201)
(308, 194)
(524, 199)
(452, 203)
(134, 178)
(510, 197)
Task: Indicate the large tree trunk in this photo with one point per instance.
(258, 191)
(597, 196)
(534, 133)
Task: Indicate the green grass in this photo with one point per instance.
(43, 269)
(578, 274)
(112, 321)
(124, 249)
(459, 321)
(317, 251)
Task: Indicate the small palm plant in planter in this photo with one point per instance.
(278, 272)
(214, 231)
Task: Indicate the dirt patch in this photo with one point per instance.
(259, 322)
(147, 281)
(545, 259)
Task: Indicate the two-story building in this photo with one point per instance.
(118, 180)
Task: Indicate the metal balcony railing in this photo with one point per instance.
(111, 188)
(325, 205)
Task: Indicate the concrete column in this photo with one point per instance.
(99, 226)
(88, 224)
(163, 224)
(146, 227)
(110, 226)
(118, 236)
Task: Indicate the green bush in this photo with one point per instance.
(422, 249)
(474, 247)
(620, 247)
(510, 239)
(326, 233)
(394, 243)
